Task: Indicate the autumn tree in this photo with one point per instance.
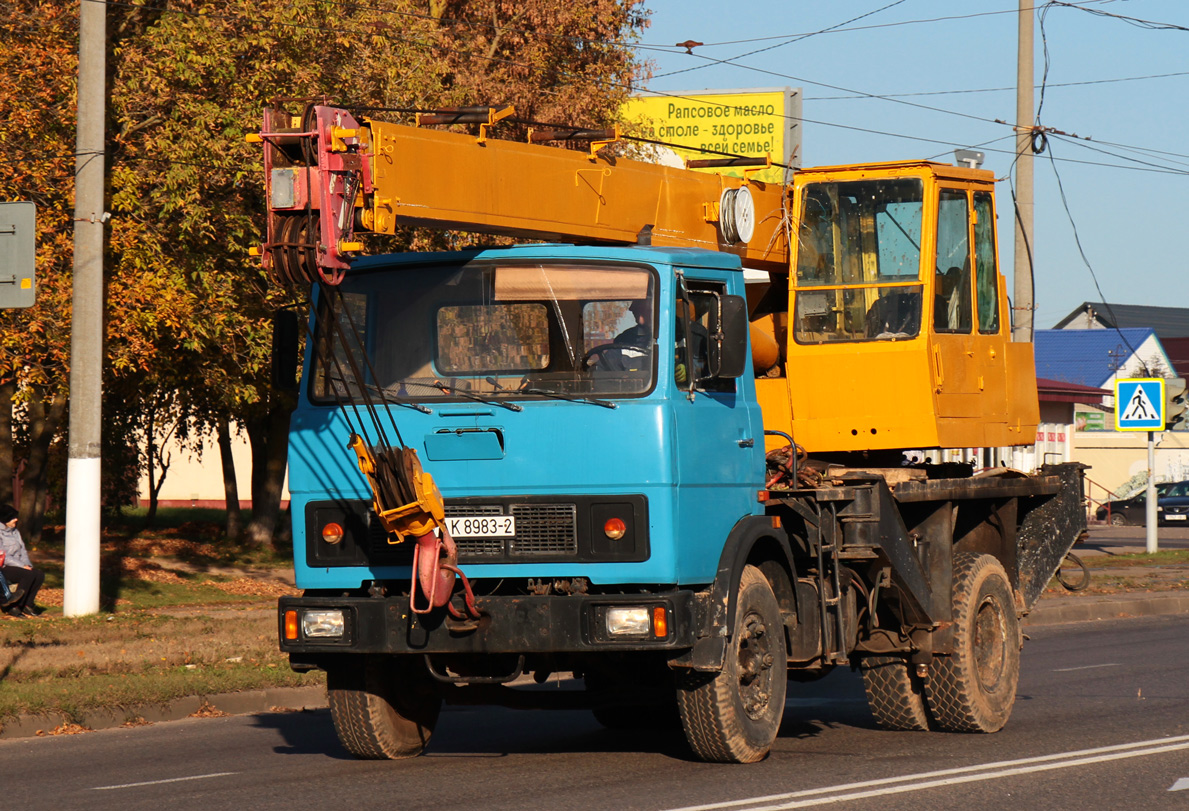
(188, 310)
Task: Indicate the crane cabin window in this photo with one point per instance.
(987, 279)
(859, 261)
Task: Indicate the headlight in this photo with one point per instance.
(628, 621)
(323, 624)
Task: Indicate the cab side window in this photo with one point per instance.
(951, 294)
(986, 274)
(692, 356)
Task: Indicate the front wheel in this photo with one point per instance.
(733, 716)
(1118, 520)
(973, 689)
(382, 708)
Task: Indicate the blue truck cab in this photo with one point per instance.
(586, 417)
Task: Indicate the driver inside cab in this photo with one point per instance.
(631, 351)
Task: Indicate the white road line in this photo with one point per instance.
(963, 774)
(1084, 667)
(158, 782)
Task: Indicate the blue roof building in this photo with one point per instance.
(1095, 357)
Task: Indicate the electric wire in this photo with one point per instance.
(1081, 251)
(117, 4)
(1012, 89)
(947, 18)
(794, 38)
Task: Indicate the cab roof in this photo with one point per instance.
(683, 257)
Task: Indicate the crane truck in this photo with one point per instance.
(659, 448)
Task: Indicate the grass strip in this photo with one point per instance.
(133, 658)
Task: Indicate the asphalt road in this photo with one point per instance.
(1103, 537)
(1101, 722)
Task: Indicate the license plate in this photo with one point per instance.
(1175, 517)
(481, 526)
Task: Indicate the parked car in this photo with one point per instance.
(1172, 506)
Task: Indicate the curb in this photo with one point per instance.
(1074, 609)
(277, 699)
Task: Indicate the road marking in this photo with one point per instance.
(947, 777)
(1180, 785)
(158, 782)
(1084, 667)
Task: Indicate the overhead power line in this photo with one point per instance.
(130, 6)
(791, 40)
(1005, 89)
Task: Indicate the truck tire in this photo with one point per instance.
(383, 709)
(733, 716)
(973, 689)
(895, 694)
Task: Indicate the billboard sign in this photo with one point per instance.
(753, 123)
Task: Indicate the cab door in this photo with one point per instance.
(954, 369)
(719, 435)
(990, 327)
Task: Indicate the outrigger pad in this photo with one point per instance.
(1050, 527)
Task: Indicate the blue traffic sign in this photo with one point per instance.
(1139, 404)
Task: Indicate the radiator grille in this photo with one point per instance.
(544, 529)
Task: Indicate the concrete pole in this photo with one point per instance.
(86, 329)
(1025, 117)
(1150, 511)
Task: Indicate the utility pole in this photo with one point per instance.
(1025, 116)
(86, 329)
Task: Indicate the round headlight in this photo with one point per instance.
(332, 533)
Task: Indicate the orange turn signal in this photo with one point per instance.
(660, 622)
(291, 625)
(615, 528)
(332, 533)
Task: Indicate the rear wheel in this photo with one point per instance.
(382, 708)
(974, 688)
(733, 716)
(895, 694)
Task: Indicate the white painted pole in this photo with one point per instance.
(86, 329)
(81, 592)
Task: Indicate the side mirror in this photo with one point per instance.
(285, 341)
(730, 359)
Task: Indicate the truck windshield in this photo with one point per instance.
(499, 331)
(859, 261)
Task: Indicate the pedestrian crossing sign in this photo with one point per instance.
(1139, 404)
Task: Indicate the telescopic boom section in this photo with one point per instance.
(330, 176)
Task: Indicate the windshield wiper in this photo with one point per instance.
(437, 384)
(571, 398)
(386, 397)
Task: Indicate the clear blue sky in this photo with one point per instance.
(1131, 222)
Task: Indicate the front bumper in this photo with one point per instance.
(509, 624)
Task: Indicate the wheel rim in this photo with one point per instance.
(990, 643)
(755, 666)
(1118, 520)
